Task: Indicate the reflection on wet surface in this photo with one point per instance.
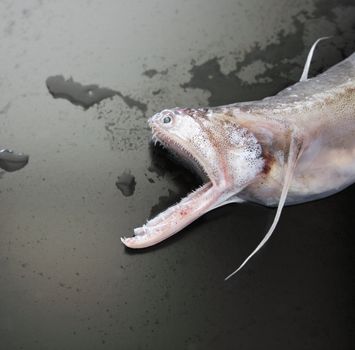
(85, 95)
(78, 94)
(66, 280)
(126, 183)
(11, 161)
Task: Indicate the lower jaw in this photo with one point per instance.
(175, 218)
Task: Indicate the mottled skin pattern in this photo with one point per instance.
(296, 146)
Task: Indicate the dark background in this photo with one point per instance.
(66, 281)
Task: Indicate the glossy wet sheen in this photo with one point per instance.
(66, 281)
(11, 161)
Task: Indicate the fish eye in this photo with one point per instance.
(167, 120)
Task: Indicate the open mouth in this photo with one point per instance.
(181, 154)
(180, 215)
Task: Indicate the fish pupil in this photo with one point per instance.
(166, 120)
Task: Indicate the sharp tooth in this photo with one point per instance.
(128, 241)
(140, 231)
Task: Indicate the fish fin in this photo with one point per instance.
(233, 199)
(304, 75)
(295, 151)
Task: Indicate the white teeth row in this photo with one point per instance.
(162, 216)
(156, 138)
(140, 231)
(146, 231)
(140, 234)
(128, 240)
(165, 214)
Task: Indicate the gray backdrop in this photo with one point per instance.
(66, 281)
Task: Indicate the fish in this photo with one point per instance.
(290, 148)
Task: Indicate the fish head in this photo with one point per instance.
(222, 151)
(186, 134)
(228, 155)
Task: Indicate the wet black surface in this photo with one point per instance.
(66, 281)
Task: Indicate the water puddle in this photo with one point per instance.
(11, 161)
(126, 183)
(86, 95)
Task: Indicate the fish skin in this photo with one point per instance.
(322, 111)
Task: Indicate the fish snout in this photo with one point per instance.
(154, 118)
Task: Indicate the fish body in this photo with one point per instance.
(321, 111)
(294, 147)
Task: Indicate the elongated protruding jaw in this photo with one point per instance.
(181, 134)
(175, 218)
